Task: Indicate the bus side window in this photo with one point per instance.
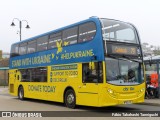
(92, 75)
(53, 38)
(87, 32)
(39, 74)
(70, 35)
(25, 75)
(42, 43)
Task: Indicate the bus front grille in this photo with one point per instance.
(127, 95)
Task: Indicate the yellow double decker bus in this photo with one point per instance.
(94, 62)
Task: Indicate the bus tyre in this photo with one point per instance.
(21, 93)
(70, 99)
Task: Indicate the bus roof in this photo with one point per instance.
(59, 29)
(152, 58)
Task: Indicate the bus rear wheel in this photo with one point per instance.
(70, 99)
(21, 93)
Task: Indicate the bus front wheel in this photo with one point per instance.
(70, 99)
(21, 93)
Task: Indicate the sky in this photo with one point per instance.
(47, 15)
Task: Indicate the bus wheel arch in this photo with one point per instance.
(21, 92)
(69, 97)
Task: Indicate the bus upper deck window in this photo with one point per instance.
(87, 31)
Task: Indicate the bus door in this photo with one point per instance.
(89, 88)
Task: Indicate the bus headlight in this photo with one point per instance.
(143, 89)
(110, 91)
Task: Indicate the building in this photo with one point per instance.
(4, 67)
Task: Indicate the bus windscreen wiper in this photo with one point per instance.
(113, 56)
(125, 56)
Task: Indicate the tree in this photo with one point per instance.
(150, 49)
(0, 54)
(147, 49)
(156, 50)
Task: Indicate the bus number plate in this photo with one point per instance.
(128, 102)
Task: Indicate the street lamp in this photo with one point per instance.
(20, 25)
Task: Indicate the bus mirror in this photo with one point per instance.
(91, 65)
(150, 61)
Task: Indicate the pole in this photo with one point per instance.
(20, 27)
(4, 78)
(158, 89)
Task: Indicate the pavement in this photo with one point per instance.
(152, 101)
(3, 89)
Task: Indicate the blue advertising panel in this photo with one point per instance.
(62, 55)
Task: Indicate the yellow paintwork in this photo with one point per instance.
(89, 94)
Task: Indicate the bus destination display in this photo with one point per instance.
(122, 49)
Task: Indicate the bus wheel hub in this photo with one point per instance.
(70, 98)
